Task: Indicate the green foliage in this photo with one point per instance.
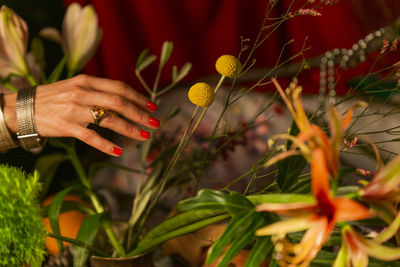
(21, 233)
(239, 233)
(178, 225)
(87, 233)
(55, 209)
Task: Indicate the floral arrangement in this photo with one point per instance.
(303, 216)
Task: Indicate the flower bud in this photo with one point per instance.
(201, 94)
(13, 43)
(228, 65)
(80, 35)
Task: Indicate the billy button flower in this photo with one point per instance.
(228, 66)
(201, 94)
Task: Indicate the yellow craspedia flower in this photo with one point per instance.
(228, 65)
(201, 94)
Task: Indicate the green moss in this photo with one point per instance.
(21, 231)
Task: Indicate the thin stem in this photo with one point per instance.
(78, 243)
(142, 81)
(166, 89)
(93, 198)
(31, 79)
(157, 79)
(166, 176)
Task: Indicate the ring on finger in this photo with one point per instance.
(98, 113)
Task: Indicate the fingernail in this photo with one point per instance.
(145, 134)
(154, 122)
(152, 106)
(117, 151)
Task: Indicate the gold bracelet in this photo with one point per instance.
(6, 140)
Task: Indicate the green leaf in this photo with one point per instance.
(184, 71)
(179, 221)
(259, 252)
(166, 51)
(55, 75)
(153, 242)
(302, 186)
(290, 168)
(146, 62)
(96, 166)
(47, 166)
(87, 233)
(141, 57)
(234, 229)
(240, 243)
(78, 243)
(68, 206)
(211, 199)
(54, 211)
(280, 198)
(174, 74)
(146, 192)
(38, 51)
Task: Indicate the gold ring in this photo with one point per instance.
(99, 113)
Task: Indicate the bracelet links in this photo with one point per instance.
(28, 135)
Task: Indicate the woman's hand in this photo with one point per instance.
(63, 109)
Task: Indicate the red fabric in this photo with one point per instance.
(203, 30)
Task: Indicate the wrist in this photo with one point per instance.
(9, 110)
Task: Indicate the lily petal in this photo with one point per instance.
(51, 34)
(311, 242)
(372, 248)
(288, 209)
(349, 210)
(349, 114)
(287, 226)
(281, 156)
(319, 175)
(390, 231)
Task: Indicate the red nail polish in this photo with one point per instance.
(117, 151)
(152, 106)
(154, 122)
(145, 134)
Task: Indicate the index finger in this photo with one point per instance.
(116, 87)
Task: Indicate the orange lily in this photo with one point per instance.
(318, 217)
(385, 184)
(356, 249)
(311, 133)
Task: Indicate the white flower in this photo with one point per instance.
(13, 43)
(80, 35)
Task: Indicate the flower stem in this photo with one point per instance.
(31, 79)
(142, 81)
(166, 176)
(93, 198)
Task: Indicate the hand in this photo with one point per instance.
(63, 109)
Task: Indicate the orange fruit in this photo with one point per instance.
(69, 222)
